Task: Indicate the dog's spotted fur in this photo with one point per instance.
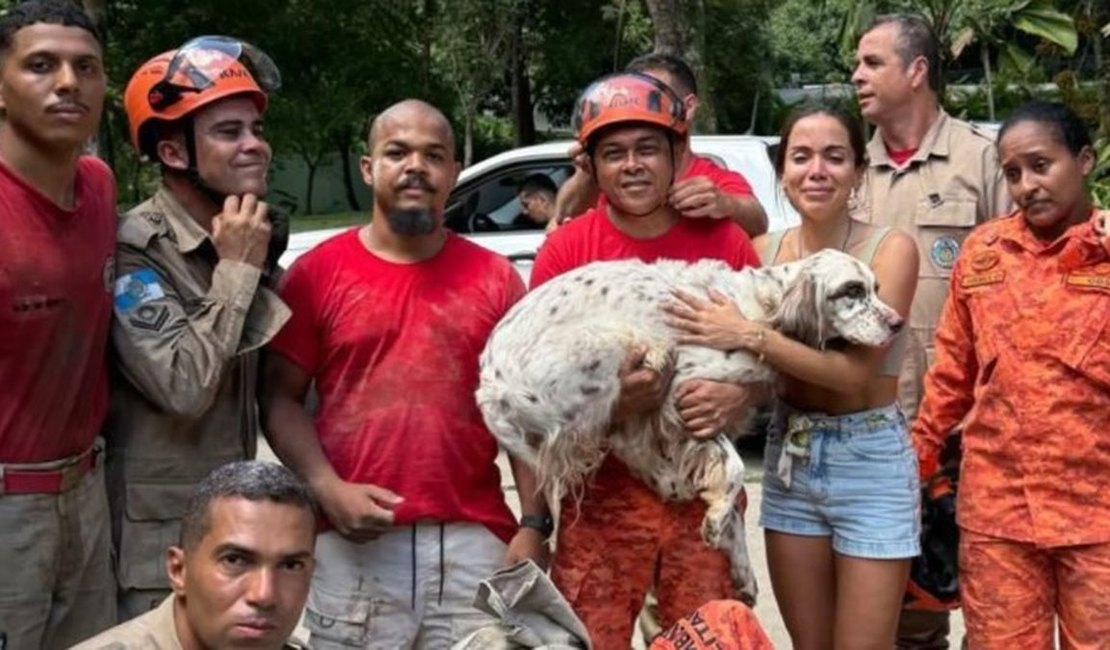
(549, 372)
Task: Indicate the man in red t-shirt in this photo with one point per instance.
(703, 189)
(389, 320)
(58, 213)
(621, 536)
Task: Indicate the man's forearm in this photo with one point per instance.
(748, 214)
(532, 501)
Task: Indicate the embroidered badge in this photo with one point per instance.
(1093, 281)
(150, 317)
(984, 261)
(944, 252)
(982, 279)
(135, 288)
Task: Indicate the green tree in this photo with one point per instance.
(992, 22)
(473, 39)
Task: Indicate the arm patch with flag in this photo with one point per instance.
(135, 288)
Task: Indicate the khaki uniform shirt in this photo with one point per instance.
(154, 630)
(186, 332)
(951, 183)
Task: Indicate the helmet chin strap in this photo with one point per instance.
(193, 174)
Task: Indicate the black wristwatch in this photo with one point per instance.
(543, 524)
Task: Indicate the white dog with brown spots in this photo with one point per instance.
(549, 373)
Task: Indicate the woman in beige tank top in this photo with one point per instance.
(840, 490)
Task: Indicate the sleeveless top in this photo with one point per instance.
(892, 363)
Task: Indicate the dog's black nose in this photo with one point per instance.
(897, 324)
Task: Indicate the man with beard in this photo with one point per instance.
(193, 306)
(389, 320)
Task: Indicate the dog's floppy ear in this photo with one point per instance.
(800, 316)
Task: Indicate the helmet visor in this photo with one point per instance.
(199, 64)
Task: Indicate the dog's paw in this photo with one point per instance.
(715, 526)
(659, 358)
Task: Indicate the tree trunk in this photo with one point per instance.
(343, 144)
(312, 165)
(1103, 67)
(679, 31)
(468, 134)
(524, 126)
(985, 54)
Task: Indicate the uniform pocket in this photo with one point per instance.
(943, 224)
(151, 523)
(1095, 362)
(338, 620)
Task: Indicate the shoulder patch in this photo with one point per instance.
(136, 288)
(944, 252)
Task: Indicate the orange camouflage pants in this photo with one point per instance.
(620, 540)
(1014, 593)
(718, 625)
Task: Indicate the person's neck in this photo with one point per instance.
(51, 171)
(198, 204)
(906, 129)
(648, 226)
(814, 235)
(380, 240)
(1079, 214)
(184, 633)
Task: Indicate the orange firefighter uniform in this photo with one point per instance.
(717, 625)
(1023, 360)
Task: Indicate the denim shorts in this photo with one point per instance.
(850, 477)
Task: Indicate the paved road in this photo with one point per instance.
(766, 608)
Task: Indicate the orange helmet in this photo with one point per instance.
(177, 83)
(627, 97)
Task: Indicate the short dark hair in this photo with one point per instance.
(1067, 127)
(253, 480)
(680, 72)
(915, 38)
(52, 12)
(850, 124)
(538, 183)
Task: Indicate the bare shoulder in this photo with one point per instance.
(897, 253)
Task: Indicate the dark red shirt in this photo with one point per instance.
(394, 351)
(56, 272)
(592, 237)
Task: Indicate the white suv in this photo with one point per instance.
(483, 206)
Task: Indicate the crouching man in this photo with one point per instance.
(241, 568)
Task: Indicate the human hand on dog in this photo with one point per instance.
(359, 511)
(714, 323)
(528, 544)
(711, 407)
(642, 388)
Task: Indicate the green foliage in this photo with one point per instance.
(1100, 177)
(739, 70)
